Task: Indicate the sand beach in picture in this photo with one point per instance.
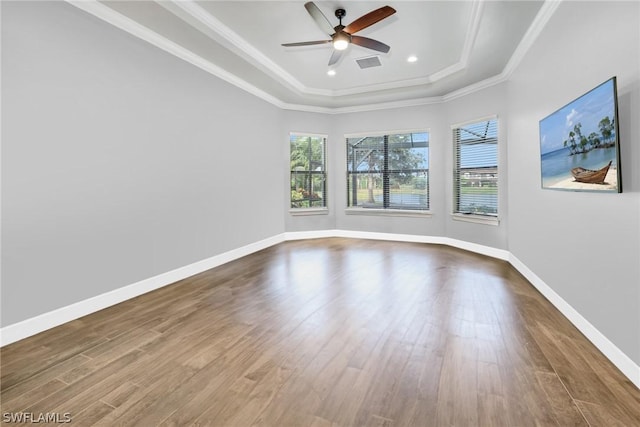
(579, 143)
(610, 183)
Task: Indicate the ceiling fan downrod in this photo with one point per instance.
(341, 13)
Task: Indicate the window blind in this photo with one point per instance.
(476, 168)
(388, 171)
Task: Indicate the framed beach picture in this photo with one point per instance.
(579, 147)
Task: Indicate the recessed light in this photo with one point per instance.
(331, 72)
(412, 58)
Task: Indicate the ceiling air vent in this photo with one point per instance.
(369, 61)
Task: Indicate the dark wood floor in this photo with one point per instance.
(328, 332)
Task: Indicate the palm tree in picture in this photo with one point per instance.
(594, 141)
(572, 143)
(583, 143)
(606, 128)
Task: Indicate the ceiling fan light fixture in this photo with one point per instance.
(341, 41)
(340, 44)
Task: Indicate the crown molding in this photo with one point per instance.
(380, 86)
(365, 107)
(229, 38)
(475, 87)
(193, 13)
(389, 105)
(134, 28)
(543, 16)
(469, 42)
(545, 13)
(477, 9)
(99, 10)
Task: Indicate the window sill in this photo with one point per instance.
(388, 212)
(476, 219)
(308, 211)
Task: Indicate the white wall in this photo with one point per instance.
(585, 246)
(119, 161)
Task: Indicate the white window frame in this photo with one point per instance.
(320, 210)
(456, 215)
(421, 213)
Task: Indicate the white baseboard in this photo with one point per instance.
(51, 319)
(479, 249)
(394, 237)
(304, 235)
(437, 240)
(627, 366)
(29, 327)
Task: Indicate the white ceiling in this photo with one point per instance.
(460, 45)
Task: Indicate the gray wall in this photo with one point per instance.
(487, 102)
(429, 117)
(117, 159)
(436, 118)
(322, 124)
(586, 246)
(120, 161)
(553, 233)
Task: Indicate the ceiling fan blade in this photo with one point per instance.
(335, 56)
(320, 19)
(370, 43)
(306, 43)
(369, 19)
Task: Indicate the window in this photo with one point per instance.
(475, 177)
(308, 172)
(388, 171)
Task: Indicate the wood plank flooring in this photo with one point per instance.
(327, 332)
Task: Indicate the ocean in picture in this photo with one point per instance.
(581, 134)
(557, 165)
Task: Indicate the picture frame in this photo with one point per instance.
(579, 143)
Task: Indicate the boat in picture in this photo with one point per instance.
(590, 176)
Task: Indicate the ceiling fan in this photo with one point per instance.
(342, 36)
